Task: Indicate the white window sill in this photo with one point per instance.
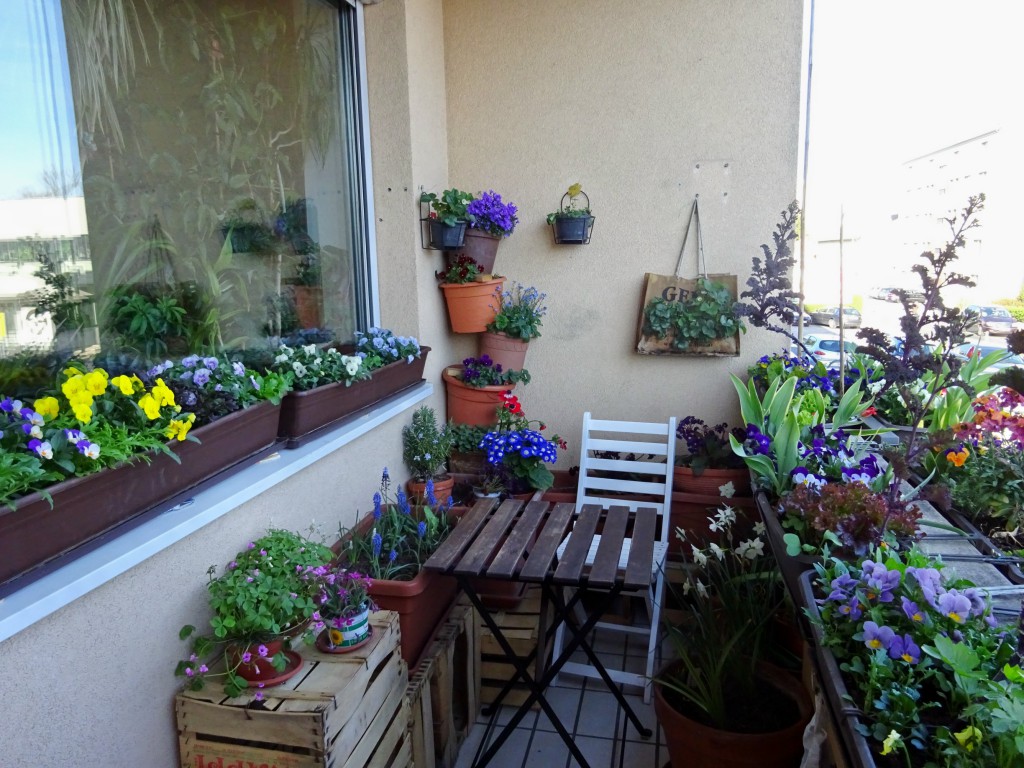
(52, 592)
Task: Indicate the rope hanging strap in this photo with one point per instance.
(702, 268)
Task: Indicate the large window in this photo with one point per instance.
(177, 177)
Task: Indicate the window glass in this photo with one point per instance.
(178, 177)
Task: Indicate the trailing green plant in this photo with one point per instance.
(425, 446)
(706, 314)
(465, 437)
(574, 210)
(268, 589)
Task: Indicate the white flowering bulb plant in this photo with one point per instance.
(732, 591)
(312, 366)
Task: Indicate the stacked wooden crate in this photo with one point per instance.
(340, 711)
(444, 692)
(521, 626)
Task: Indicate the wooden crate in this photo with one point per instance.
(444, 692)
(520, 627)
(339, 711)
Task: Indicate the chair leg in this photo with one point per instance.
(652, 645)
(559, 643)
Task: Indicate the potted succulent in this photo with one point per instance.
(517, 322)
(720, 702)
(491, 220)
(573, 222)
(344, 606)
(390, 546)
(448, 218)
(425, 451)
(265, 596)
(475, 390)
(470, 295)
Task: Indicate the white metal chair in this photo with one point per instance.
(645, 450)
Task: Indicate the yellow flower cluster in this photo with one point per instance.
(157, 398)
(81, 389)
(178, 428)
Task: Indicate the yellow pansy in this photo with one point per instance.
(47, 407)
(968, 737)
(73, 386)
(892, 741)
(124, 384)
(72, 371)
(96, 382)
(83, 412)
(178, 428)
(151, 407)
(163, 394)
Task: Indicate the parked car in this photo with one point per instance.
(830, 317)
(969, 350)
(914, 295)
(885, 294)
(827, 350)
(990, 319)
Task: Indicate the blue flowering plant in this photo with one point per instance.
(924, 660)
(311, 366)
(399, 538)
(520, 313)
(379, 347)
(212, 387)
(484, 372)
(267, 591)
(490, 214)
(518, 450)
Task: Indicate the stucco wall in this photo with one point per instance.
(524, 97)
(626, 98)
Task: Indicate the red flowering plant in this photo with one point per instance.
(461, 270)
(518, 450)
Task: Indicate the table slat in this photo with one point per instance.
(606, 560)
(574, 558)
(474, 561)
(538, 564)
(641, 551)
(448, 554)
(504, 564)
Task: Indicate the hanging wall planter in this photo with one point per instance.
(444, 219)
(572, 223)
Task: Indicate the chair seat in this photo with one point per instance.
(660, 552)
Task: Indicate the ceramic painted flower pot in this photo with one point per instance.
(36, 532)
(504, 350)
(471, 306)
(710, 480)
(693, 744)
(346, 635)
(305, 414)
(475, 406)
(481, 248)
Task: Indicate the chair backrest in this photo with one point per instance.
(633, 458)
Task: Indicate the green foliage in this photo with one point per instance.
(520, 312)
(450, 207)
(466, 438)
(425, 446)
(990, 485)
(310, 366)
(575, 210)
(705, 315)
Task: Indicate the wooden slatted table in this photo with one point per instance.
(516, 543)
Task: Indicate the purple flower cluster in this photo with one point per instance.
(489, 214)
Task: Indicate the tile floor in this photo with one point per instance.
(588, 711)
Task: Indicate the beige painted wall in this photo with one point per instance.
(470, 93)
(626, 98)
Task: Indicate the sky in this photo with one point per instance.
(896, 79)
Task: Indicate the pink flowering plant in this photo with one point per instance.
(268, 590)
(91, 423)
(342, 595)
(924, 660)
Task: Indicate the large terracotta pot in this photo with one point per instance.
(37, 531)
(709, 481)
(481, 248)
(309, 303)
(504, 350)
(476, 406)
(471, 306)
(694, 745)
(442, 490)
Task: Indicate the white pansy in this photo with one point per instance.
(351, 364)
(309, 349)
(281, 359)
(299, 368)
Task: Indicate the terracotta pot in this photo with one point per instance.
(303, 414)
(481, 247)
(695, 745)
(471, 306)
(504, 350)
(690, 511)
(260, 672)
(37, 531)
(476, 406)
(442, 490)
(421, 605)
(709, 481)
(308, 305)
